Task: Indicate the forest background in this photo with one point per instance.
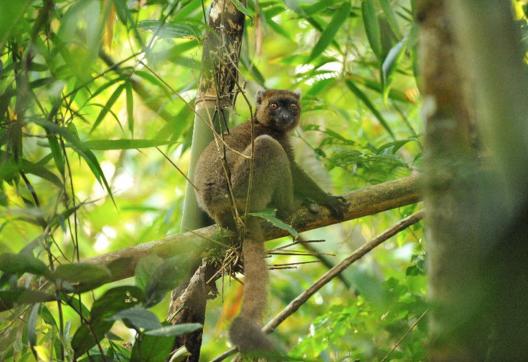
(97, 105)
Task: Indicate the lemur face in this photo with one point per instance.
(278, 109)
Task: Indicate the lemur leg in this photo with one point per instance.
(271, 177)
(271, 184)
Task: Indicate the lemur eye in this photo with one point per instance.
(274, 106)
(294, 106)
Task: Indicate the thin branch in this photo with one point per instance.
(407, 332)
(296, 303)
(177, 168)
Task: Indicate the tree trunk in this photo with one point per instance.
(450, 192)
(492, 47)
(477, 212)
(219, 76)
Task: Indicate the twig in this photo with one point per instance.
(297, 242)
(177, 168)
(295, 263)
(295, 304)
(409, 330)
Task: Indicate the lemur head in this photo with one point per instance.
(278, 109)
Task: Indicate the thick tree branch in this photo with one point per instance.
(191, 246)
(296, 303)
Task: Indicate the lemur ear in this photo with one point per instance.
(260, 95)
(297, 93)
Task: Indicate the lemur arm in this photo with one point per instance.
(306, 188)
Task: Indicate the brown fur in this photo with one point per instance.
(273, 176)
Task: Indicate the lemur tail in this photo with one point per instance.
(245, 331)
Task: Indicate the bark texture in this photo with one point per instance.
(491, 46)
(216, 93)
(450, 191)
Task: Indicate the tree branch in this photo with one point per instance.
(190, 246)
(296, 303)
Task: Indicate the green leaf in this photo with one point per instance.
(151, 348)
(395, 94)
(391, 17)
(22, 263)
(319, 86)
(41, 82)
(363, 97)
(269, 216)
(277, 28)
(70, 135)
(56, 151)
(295, 6)
(243, 9)
(10, 298)
(154, 81)
(130, 107)
(123, 144)
(82, 273)
(47, 317)
(11, 14)
(122, 10)
(141, 318)
(115, 300)
(330, 31)
(110, 303)
(145, 269)
(165, 277)
(176, 330)
(87, 336)
(108, 106)
(31, 325)
(390, 63)
(171, 30)
(10, 169)
(372, 27)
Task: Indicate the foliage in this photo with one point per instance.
(92, 92)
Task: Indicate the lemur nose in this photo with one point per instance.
(284, 117)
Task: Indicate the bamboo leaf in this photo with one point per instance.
(122, 10)
(11, 13)
(123, 144)
(269, 216)
(10, 169)
(391, 17)
(328, 34)
(70, 135)
(130, 107)
(372, 27)
(390, 63)
(31, 325)
(363, 98)
(108, 106)
(174, 331)
(56, 151)
(243, 9)
(153, 80)
(171, 30)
